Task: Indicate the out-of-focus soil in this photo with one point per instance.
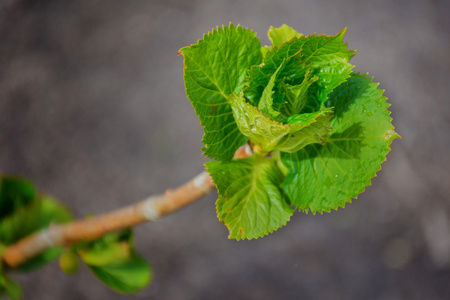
(93, 110)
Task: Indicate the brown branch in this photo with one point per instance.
(148, 210)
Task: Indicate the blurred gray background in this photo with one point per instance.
(93, 110)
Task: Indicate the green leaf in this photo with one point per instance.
(324, 56)
(281, 35)
(68, 262)
(322, 178)
(296, 95)
(14, 194)
(250, 201)
(100, 256)
(114, 261)
(266, 103)
(259, 76)
(29, 219)
(125, 276)
(40, 260)
(214, 68)
(328, 79)
(112, 247)
(272, 135)
(12, 289)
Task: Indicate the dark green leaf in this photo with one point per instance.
(29, 219)
(14, 194)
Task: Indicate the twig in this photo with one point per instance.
(150, 209)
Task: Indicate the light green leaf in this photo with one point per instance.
(296, 95)
(126, 276)
(280, 35)
(264, 50)
(328, 79)
(266, 103)
(272, 135)
(112, 247)
(114, 261)
(214, 68)
(322, 178)
(250, 201)
(324, 56)
(100, 256)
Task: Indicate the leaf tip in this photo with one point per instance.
(392, 135)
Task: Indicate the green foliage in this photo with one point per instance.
(114, 261)
(112, 258)
(23, 212)
(250, 199)
(9, 288)
(319, 130)
(214, 69)
(68, 262)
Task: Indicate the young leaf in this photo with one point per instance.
(266, 103)
(114, 261)
(296, 95)
(259, 76)
(281, 35)
(31, 218)
(324, 56)
(68, 262)
(126, 276)
(272, 135)
(250, 201)
(322, 178)
(214, 68)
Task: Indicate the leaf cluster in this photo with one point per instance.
(22, 212)
(319, 130)
(112, 258)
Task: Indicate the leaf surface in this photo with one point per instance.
(272, 135)
(250, 201)
(14, 193)
(114, 261)
(126, 276)
(37, 215)
(281, 35)
(322, 178)
(326, 57)
(215, 67)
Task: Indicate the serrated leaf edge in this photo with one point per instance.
(391, 136)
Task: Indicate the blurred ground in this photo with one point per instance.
(93, 110)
